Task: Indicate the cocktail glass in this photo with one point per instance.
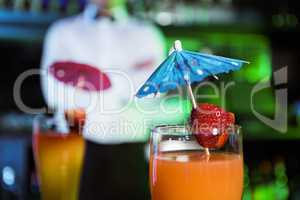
(181, 169)
(58, 157)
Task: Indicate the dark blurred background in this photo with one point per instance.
(265, 33)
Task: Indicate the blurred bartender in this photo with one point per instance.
(126, 50)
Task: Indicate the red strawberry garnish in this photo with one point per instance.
(76, 119)
(209, 124)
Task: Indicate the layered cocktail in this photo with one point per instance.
(59, 156)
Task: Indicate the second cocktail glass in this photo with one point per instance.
(58, 159)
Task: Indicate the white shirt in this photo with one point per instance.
(117, 48)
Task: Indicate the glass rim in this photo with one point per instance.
(159, 130)
(42, 116)
(40, 119)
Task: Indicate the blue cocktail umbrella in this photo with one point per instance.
(182, 68)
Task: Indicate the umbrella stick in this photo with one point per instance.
(61, 121)
(195, 106)
(192, 96)
(207, 151)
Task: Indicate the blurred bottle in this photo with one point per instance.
(270, 181)
(297, 111)
(18, 5)
(35, 6)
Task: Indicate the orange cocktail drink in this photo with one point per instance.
(180, 169)
(58, 158)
